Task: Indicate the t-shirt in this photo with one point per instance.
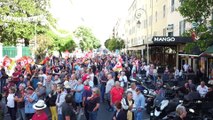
(19, 95)
(92, 103)
(68, 110)
(42, 116)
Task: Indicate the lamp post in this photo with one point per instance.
(138, 15)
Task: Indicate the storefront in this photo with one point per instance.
(164, 50)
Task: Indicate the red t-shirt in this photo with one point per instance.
(117, 94)
(42, 116)
(84, 78)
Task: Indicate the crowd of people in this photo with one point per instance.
(75, 87)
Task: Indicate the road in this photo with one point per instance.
(103, 114)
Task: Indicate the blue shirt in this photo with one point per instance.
(79, 95)
(29, 105)
(140, 101)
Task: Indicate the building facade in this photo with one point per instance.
(149, 20)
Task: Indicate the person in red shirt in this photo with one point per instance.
(40, 113)
(116, 93)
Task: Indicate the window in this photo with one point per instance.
(164, 32)
(172, 5)
(182, 26)
(156, 16)
(164, 11)
(150, 20)
(170, 33)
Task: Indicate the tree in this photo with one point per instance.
(43, 43)
(198, 12)
(114, 43)
(11, 30)
(87, 39)
(62, 44)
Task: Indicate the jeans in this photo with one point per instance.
(103, 87)
(21, 114)
(138, 115)
(60, 117)
(93, 115)
(12, 113)
(2, 84)
(86, 112)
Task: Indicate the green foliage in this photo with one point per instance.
(114, 43)
(198, 11)
(10, 31)
(62, 43)
(87, 39)
(43, 43)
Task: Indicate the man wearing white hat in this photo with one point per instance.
(40, 91)
(40, 113)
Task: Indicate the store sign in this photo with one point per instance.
(166, 39)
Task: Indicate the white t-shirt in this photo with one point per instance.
(109, 85)
(134, 93)
(11, 101)
(202, 90)
(123, 79)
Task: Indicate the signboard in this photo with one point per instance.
(167, 39)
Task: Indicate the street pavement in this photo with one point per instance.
(103, 114)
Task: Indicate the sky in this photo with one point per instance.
(99, 15)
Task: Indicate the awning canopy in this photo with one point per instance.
(188, 55)
(209, 50)
(137, 48)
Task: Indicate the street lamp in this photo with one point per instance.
(138, 15)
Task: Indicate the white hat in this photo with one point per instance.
(39, 83)
(40, 105)
(67, 85)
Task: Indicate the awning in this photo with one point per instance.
(209, 50)
(137, 48)
(188, 55)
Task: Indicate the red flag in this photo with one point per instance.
(7, 61)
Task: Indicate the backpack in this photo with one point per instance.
(95, 81)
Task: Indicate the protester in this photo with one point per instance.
(79, 96)
(30, 99)
(3, 108)
(119, 113)
(127, 105)
(19, 99)
(40, 113)
(40, 91)
(59, 101)
(94, 104)
(181, 112)
(109, 85)
(68, 108)
(133, 90)
(87, 93)
(202, 89)
(11, 103)
(139, 104)
(116, 93)
(123, 80)
(51, 100)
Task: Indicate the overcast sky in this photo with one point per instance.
(99, 15)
